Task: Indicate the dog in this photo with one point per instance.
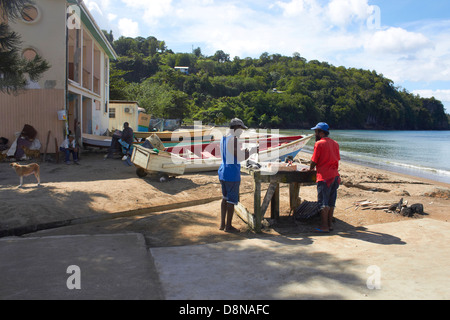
(26, 170)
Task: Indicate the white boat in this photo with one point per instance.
(96, 141)
(202, 133)
(206, 157)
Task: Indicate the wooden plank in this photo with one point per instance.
(246, 216)
(57, 150)
(268, 197)
(257, 201)
(36, 107)
(305, 178)
(302, 177)
(46, 145)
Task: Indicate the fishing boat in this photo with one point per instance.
(204, 157)
(93, 140)
(203, 133)
(156, 162)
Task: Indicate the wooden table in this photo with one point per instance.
(295, 179)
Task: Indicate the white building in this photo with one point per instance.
(64, 33)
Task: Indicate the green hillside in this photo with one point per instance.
(272, 91)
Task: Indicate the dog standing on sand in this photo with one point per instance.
(26, 170)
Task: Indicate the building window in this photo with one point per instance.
(112, 112)
(30, 14)
(29, 54)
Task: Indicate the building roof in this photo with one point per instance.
(124, 101)
(94, 29)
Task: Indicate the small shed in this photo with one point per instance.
(123, 111)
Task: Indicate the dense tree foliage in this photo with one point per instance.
(272, 91)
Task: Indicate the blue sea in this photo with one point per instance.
(423, 154)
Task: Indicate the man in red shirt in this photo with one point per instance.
(325, 160)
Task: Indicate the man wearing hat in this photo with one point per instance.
(325, 160)
(69, 146)
(230, 172)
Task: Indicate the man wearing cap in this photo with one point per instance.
(69, 147)
(126, 140)
(230, 172)
(325, 160)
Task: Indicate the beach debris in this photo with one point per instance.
(306, 210)
(350, 184)
(441, 193)
(401, 207)
(368, 205)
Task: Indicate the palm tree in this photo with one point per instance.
(14, 69)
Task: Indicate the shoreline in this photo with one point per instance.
(411, 173)
(305, 154)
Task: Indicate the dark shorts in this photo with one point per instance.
(230, 191)
(326, 196)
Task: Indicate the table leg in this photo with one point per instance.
(257, 202)
(294, 199)
(275, 204)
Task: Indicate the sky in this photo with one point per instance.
(408, 41)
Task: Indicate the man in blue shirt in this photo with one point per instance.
(230, 172)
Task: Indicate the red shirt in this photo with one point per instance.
(326, 156)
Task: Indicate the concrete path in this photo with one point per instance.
(402, 260)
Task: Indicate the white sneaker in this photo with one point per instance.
(124, 158)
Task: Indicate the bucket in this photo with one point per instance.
(62, 115)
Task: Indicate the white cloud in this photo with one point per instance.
(344, 12)
(152, 10)
(443, 95)
(298, 7)
(112, 17)
(128, 28)
(93, 6)
(397, 41)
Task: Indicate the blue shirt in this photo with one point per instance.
(230, 169)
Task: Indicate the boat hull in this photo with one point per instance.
(205, 163)
(96, 141)
(178, 135)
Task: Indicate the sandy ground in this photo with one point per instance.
(106, 196)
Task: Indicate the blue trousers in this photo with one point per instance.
(67, 153)
(126, 148)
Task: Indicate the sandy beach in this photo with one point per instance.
(106, 196)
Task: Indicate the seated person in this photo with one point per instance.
(121, 141)
(126, 140)
(69, 147)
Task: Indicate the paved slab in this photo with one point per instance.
(402, 260)
(104, 266)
